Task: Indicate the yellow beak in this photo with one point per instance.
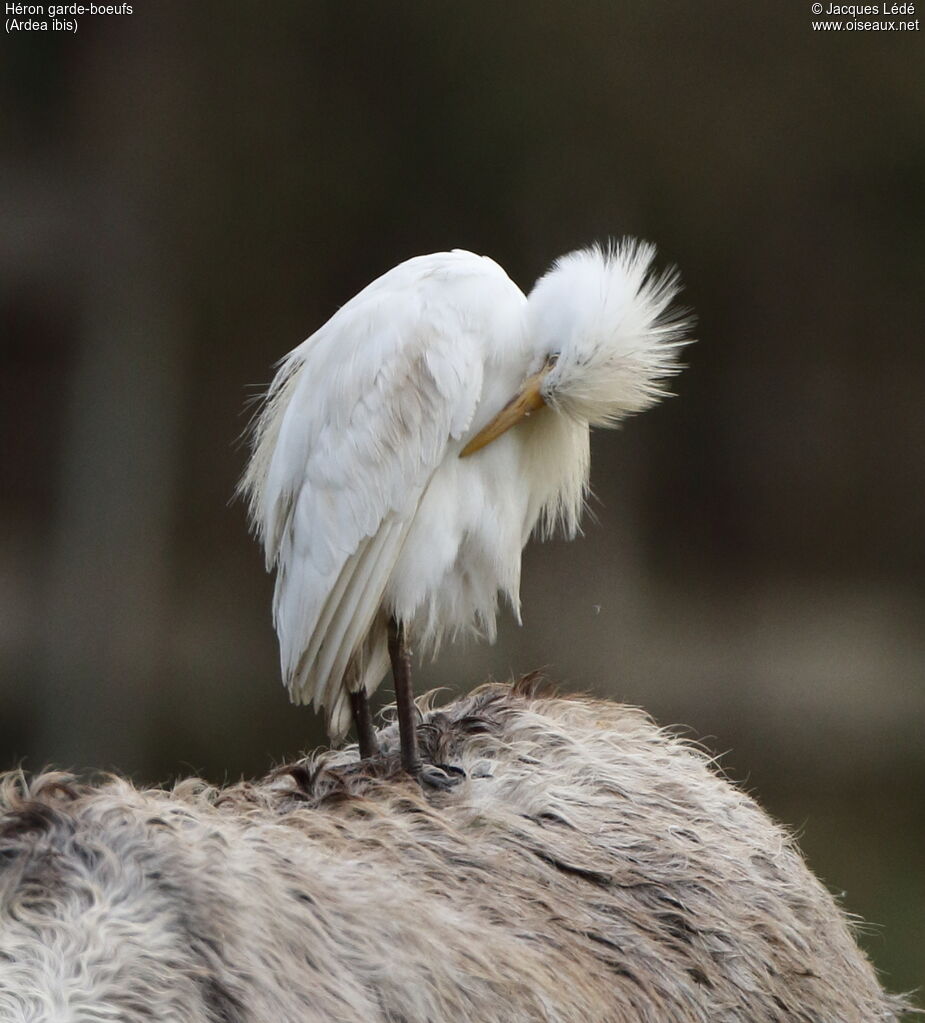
(528, 399)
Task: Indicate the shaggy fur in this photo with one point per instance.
(590, 868)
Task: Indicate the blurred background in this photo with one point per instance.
(191, 190)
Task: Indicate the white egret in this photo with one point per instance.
(404, 455)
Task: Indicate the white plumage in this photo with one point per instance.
(355, 485)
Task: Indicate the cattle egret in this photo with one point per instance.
(406, 451)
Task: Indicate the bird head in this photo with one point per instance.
(604, 339)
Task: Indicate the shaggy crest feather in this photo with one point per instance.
(608, 317)
(590, 867)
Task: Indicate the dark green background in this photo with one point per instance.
(190, 190)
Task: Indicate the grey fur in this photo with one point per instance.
(591, 868)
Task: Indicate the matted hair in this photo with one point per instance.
(591, 867)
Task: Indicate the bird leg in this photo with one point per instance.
(427, 774)
(404, 698)
(363, 722)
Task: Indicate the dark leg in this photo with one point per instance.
(404, 698)
(363, 722)
(427, 774)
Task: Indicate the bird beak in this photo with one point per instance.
(528, 399)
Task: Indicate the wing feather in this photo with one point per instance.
(359, 565)
(356, 421)
(356, 617)
(356, 610)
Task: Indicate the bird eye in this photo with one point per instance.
(551, 360)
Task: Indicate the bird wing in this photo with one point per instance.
(355, 424)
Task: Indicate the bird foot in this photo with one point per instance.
(441, 777)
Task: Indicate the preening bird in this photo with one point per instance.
(406, 451)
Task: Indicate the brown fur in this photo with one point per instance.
(590, 868)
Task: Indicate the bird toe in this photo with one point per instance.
(440, 776)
